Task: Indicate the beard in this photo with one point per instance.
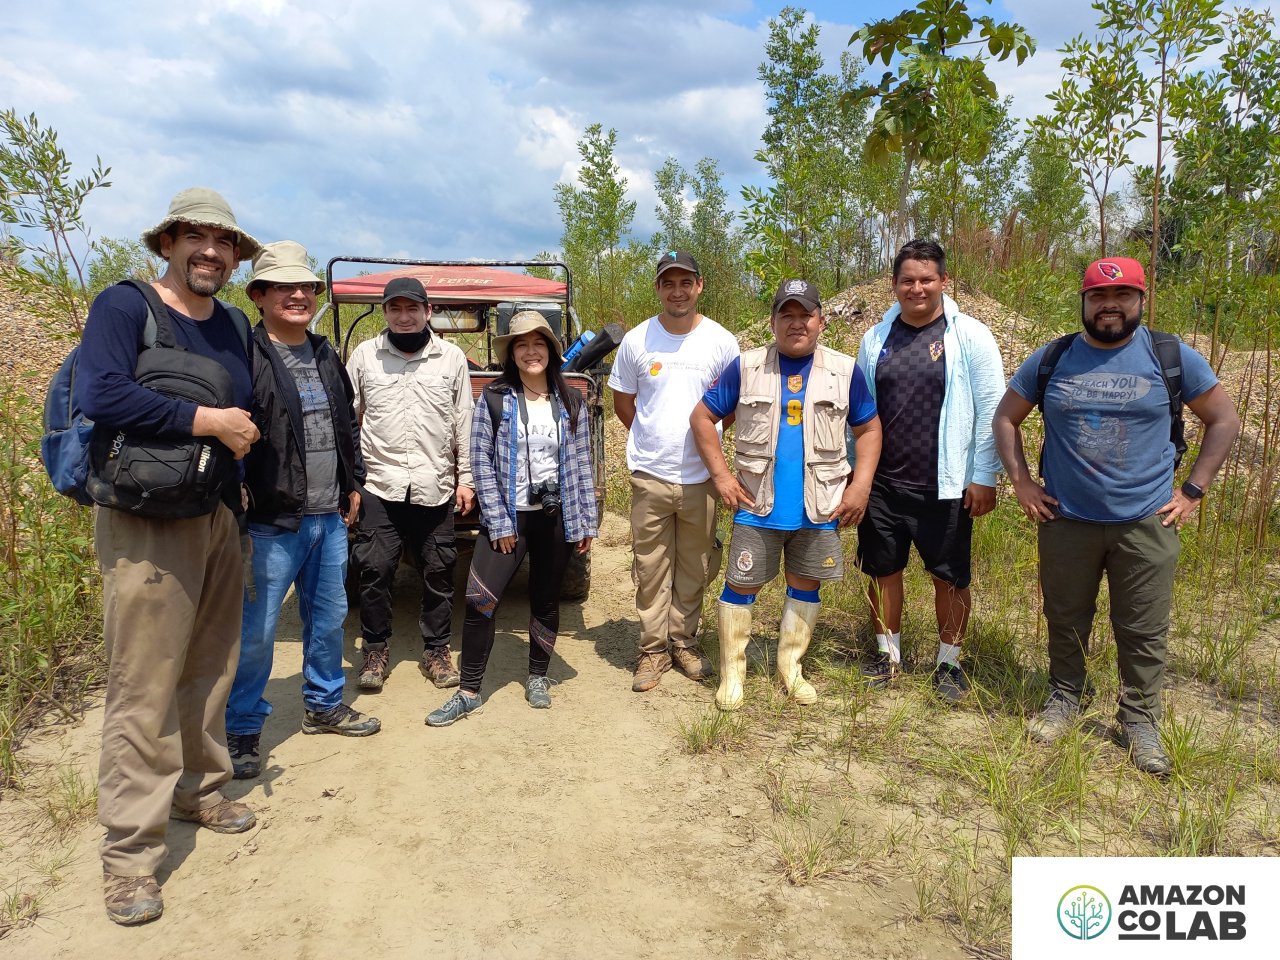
(203, 284)
(1131, 323)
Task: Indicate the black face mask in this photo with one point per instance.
(409, 342)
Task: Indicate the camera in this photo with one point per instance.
(547, 493)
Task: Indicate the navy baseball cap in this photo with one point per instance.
(801, 291)
(677, 258)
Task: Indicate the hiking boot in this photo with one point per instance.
(537, 690)
(374, 670)
(950, 683)
(649, 670)
(131, 900)
(454, 709)
(881, 670)
(437, 666)
(341, 720)
(692, 662)
(227, 816)
(245, 763)
(1143, 741)
(1058, 716)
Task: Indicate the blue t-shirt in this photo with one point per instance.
(788, 511)
(1107, 453)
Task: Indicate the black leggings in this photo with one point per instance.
(491, 571)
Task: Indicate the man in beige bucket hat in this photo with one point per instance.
(172, 588)
(303, 494)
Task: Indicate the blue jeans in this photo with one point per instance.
(315, 558)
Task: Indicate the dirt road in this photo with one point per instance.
(580, 831)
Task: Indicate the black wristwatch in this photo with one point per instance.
(1191, 491)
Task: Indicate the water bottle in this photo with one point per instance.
(582, 341)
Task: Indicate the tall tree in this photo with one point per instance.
(597, 219)
(1172, 33)
(1097, 113)
(925, 39)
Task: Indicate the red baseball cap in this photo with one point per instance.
(1114, 272)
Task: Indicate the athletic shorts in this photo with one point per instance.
(754, 553)
(898, 517)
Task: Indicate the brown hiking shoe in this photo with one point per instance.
(437, 666)
(131, 900)
(691, 662)
(649, 670)
(228, 816)
(374, 670)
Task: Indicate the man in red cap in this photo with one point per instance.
(1111, 401)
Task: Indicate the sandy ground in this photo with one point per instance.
(580, 831)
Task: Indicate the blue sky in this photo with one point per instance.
(416, 129)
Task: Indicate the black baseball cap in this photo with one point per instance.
(677, 258)
(408, 287)
(801, 291)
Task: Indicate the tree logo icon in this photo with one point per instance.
(1084, 913)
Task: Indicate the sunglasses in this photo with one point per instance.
(289, 288)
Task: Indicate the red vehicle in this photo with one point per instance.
(472, 302)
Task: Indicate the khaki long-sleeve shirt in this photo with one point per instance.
(415, 411)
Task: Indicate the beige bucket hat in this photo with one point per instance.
(284, 261)
(204, 208)
(524, 322)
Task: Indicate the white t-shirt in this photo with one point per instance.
(668, 375)
(537, 452)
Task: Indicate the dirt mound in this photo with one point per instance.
(32, 350)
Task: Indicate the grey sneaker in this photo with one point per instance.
(537, 690)
(1057, 717)
(454, 709)
(1143, 741)
(881, 670)
(245, 762)
(950, 683)
(341, 720)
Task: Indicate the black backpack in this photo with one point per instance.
(1168, 350)
(146, 476)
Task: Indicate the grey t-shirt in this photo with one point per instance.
(320, 453)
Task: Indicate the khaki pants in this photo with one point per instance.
(172, 599)
(673, 529)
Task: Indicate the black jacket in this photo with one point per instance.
(275, 468)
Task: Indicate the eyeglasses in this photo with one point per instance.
(288, 288)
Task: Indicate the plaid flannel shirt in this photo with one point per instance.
(493, 464)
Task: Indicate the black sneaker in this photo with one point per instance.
(881, 670)
(245, 762)
(950, 683)
(341, 720)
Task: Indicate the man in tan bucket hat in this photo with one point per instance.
(303, 494)
(172, 588)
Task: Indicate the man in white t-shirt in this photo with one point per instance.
(661, 371)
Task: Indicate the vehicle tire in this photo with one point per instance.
(577, 578)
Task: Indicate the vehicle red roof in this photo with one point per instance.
(465, 284)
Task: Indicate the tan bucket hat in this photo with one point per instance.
(284, 261)
(524, 322)
(204, 208)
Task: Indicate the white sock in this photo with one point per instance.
(949, 653)
(890, 643)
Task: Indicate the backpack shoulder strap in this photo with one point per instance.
(241, 323)
(158, 330)
(1168, 350)
(1052, 354)
(493, 400)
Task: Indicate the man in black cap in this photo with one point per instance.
(413, 397)
(793, 401)
(661, 370)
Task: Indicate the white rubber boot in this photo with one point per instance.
(798, 618)
(735, 634)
